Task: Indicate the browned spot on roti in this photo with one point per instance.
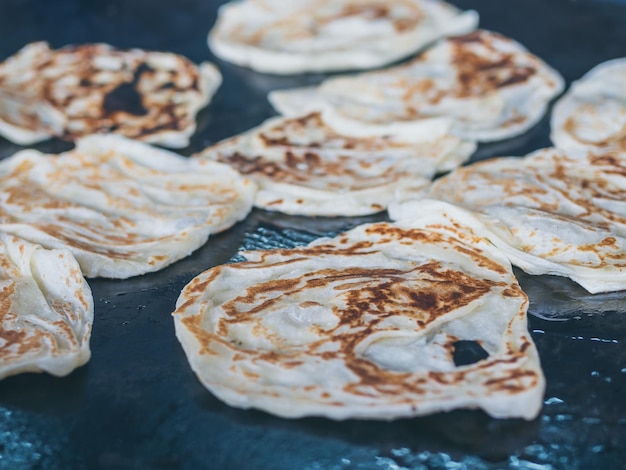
(480, 73)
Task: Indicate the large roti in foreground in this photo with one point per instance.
(93, 88)
(592, 114)
(552, 212)
(123, 208)
(489, 87)
(365, 325)
(304, 167)
(294, 36)
(46, 311)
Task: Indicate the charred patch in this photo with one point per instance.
(126, 97)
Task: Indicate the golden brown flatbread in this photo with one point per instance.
(122, 207)
(295, 36)
(304, 167)
(486, 86)
(93, 88)
(365, 325)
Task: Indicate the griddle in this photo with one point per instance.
(138, 405)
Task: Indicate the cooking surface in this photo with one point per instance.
(137, 404)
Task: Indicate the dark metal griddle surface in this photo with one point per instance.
(138, 405)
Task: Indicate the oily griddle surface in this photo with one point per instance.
(137, 403)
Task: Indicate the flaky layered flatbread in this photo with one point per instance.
(294, 36)
(46, 311)
(304, 167)
(85, 89)
(366, 325)
(481, 86)
(592, 114)
(552, 212)
(123, 208)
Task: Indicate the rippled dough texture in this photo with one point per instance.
(46, 310)
(294, 36)
(364, 325)
(552, 212)
(304, 167)
(123, 208)
(487, 86)
(94, 88)
(592, 114)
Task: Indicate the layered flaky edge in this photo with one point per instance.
(153, 254)
(54, 277)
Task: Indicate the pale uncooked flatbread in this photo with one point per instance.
(294, 36)
(365, 325)
(552, 212)
(80, 90)
(46, 311)
(592, 114)
(122, 207)
(303, 167)
(482, 86)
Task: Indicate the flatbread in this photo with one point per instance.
(365, 325)
(46, 311)
(122, 207)
(552, 212)
(304, 167)
(93, 88)
(294, 36)
(592, 114)
(485, 86)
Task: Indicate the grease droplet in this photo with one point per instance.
(553, 401)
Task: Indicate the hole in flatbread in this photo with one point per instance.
(468, 352)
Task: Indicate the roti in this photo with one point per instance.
(365, 325)
(94, 88)
(552, 212)
(304, 167)
(295, 36)
(47, 310)
(592, 114)
(482, 85)
(122, 207)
